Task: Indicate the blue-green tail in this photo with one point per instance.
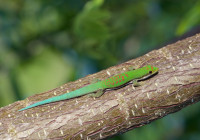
(53, 99)
(76, 93)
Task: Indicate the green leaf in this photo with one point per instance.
(190, 20)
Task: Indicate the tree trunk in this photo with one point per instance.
(175, 86)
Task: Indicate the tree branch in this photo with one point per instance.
(175, 86)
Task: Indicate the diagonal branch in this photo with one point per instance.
(175, 86)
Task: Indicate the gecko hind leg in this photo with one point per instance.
(97, 94)
(95, 81)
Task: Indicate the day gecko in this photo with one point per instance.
(98, 88)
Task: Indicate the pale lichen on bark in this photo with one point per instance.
(175, 86)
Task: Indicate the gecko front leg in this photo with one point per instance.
(131, 68)
(135, 83)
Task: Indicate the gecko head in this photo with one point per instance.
(151, 70)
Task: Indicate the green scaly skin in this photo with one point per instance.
(100, 87)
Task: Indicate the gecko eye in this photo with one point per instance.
(150, 72)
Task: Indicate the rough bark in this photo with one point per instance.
(175, 86)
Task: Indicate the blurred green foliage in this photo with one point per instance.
(44, 44)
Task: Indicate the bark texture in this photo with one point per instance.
(175, 86)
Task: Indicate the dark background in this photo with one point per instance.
(46, 43)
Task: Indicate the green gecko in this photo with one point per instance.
(98, 88)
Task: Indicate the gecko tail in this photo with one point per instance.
(73, 94)
(50, 100)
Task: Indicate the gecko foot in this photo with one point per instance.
(131, 68)
(95, 80)
(135, 83)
